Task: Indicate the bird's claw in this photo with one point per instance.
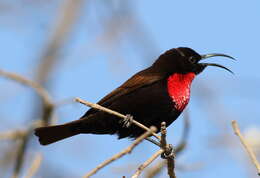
(127, 122)
(168, 153)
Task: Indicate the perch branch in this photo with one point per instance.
(98, 107)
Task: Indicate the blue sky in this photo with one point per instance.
(90, 69)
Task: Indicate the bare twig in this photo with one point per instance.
(122, 153)
(147, 163)
(246, 145)
(155, 170)
(153, 141)
(98, 107)
(12, 135)
(170, 167)
(48, 104)
(20, 153)
(168, 151)
(63, 102)
(163, 136)
(35, 165)
(22, 80)
(67, 16)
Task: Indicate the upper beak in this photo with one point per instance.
(214, 64)
(205, 56)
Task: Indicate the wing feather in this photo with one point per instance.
(139, 80)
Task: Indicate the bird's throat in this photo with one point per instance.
(179, 89)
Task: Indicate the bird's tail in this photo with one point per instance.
(51, 134)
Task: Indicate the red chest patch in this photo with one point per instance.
(179, 89)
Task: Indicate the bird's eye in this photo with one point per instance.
(192, 60)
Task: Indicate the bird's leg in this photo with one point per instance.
(127, 121)
(169, 152)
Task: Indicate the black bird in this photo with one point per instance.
(153, 95)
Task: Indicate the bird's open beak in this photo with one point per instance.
(214, 64)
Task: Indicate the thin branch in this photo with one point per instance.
(20, 153)
(46, 98)
(163, 136)
(63, 25)
(147, 163)
(122, 153)
(98, 107)
(168, 151)
(170, 167)
(35, 166)
(246, 145)
(155, 170)
(48, 104)
(64, 102)
(153, 141)
(12, 135)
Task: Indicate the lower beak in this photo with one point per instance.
(214, 64)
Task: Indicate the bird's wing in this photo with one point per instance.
(139, 80)
(135, 82)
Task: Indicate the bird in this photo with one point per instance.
(154, 95)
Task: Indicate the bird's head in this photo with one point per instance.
(185, 60)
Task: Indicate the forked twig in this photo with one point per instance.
(122, 153)
(246, 145)
(166, 150)
(155, 170)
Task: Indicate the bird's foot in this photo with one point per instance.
(169, 152)
(127, 122)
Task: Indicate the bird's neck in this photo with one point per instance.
(179, 89)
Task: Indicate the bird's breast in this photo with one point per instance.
(178, 86)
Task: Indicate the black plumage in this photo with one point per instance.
(145, 96)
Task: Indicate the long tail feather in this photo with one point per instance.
(51, 134)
